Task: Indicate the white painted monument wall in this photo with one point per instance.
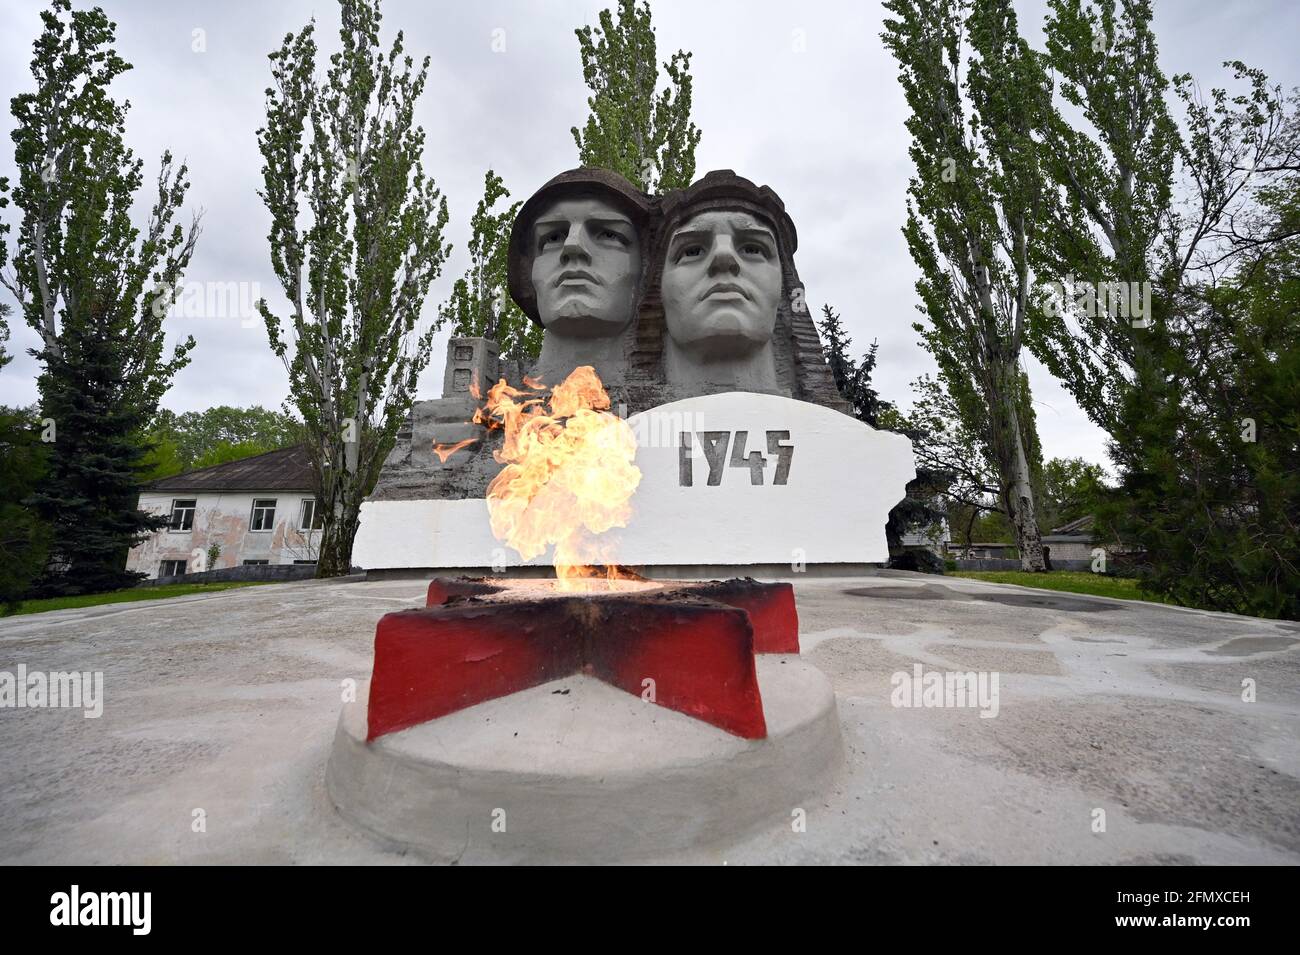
(757, 479)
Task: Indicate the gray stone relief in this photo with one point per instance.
(579, 258)
(671, 297)
(721, 282)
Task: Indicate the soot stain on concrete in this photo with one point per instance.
(1166, 763)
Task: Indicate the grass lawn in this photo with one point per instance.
(1071, 581)
(126, 596)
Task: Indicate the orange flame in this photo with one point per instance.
(444, 451)
(568, 475)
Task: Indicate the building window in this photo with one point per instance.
(311, 562)
(172, 568)
(182, 515)
(255, 563)
(263, 518)
(310, 517)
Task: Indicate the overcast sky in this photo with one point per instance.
(823, 127)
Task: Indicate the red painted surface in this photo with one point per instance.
(429, 663)
(771, 607)
(699, 653)
(442, 589)
(771, 610)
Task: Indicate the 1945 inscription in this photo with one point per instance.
(714, 445)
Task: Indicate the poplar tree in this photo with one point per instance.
(480, 304)
(1114, 170)
(95, 287)
(645, 136)
(356, 239)
(974, 213)
(5, 307)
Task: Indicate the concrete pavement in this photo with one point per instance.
(1121, 734)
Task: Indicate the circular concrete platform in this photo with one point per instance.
(578, 771)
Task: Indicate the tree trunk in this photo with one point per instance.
(1020, 494)
(335, 556)
(341, 505)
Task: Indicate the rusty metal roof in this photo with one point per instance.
(285, 469)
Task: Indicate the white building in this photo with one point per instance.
(258, 510)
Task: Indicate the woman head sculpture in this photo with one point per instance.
(723, 252)
(577, 266)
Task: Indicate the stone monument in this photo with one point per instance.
(691, 311)
(693, 719)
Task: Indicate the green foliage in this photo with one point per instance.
(80, 271)
(160, 592)
(1067, 581)
(1208, 216)
(5, 357)
(5, 307)
(161, 458)
(1115, 169)
(24, 538)
(647, 138)
(992, 527)
(975, 209)
(356, 263)
(224, 451)
(1218, 514)
(197, 439)
(963, 477)
(90, 497)
(480, 304)
(852, 378)
(1072, 488)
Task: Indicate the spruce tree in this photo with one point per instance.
(89, 499)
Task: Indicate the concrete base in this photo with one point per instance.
(577, 771)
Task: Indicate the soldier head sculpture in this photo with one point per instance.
(577, 266)
(722, 253)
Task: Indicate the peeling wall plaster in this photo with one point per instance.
(225, 519)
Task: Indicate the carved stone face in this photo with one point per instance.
(586, 267)
(721, 283)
